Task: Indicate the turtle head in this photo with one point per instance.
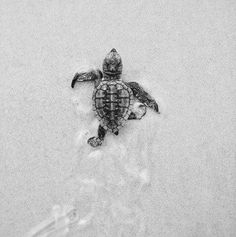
(112, 64)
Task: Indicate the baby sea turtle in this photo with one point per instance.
(112, 98)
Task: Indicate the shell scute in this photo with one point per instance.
(112, 101)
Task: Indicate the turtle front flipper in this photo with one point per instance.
(143, 96)
(91, 75)
(97, 141)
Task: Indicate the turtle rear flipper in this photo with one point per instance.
(94, 141)
(97, 141)
(138, 111)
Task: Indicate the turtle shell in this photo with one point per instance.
(112, 101)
